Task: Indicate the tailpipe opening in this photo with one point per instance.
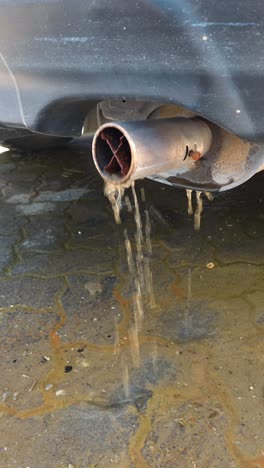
(113, 154)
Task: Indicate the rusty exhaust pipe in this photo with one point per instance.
(127, 151)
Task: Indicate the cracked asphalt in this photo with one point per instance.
(197, 398)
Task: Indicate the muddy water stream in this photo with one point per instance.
(199, 206)
(139, 262)
(139, 266)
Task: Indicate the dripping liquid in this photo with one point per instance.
(199, 206)
(138, 253)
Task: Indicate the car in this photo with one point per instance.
(172, 90)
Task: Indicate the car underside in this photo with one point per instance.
(172, 90)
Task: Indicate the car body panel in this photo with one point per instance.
(57, 56)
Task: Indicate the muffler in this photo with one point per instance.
(127, 151)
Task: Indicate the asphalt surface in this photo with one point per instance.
(71, 394)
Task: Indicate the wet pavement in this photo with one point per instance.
(71, 394)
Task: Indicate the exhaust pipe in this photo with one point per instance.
(127, 151)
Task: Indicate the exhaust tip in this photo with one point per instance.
(112, 154)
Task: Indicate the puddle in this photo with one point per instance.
(121, 343)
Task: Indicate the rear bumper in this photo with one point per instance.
(56, 59)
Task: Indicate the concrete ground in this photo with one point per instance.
(71, 392)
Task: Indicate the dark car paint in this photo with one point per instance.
(59, 56)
